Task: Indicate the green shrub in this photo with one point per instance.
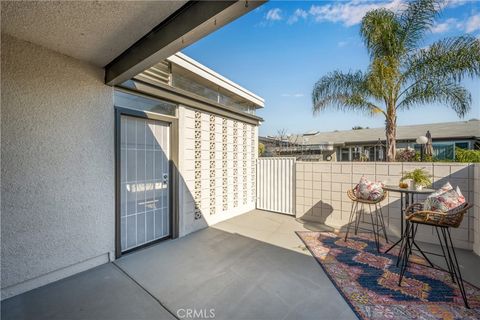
(261, 149)
(464, 155)
(426, 158)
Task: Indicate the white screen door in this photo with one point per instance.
(144, 189)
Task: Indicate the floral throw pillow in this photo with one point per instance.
(446, 187)
(369, 190)
(444, 200)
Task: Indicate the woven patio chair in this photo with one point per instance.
(442, 222)
(358, 211)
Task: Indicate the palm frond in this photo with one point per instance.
(344, 91)
(383, 77)
(416, 19)
(443, 91)
(453, 58)
(380, 30)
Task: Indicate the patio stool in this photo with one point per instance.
(442, 222)
(356, 214)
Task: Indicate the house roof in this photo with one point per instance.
(446, 130)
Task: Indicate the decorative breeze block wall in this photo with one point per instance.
(218, 168)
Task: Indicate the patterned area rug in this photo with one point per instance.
(368, 281)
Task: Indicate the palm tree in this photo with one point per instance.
(402, 75)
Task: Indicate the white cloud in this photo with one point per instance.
(454, 3)
(445, 26)
(473, 23)
(274, 14)
(297, 15)
(352, 12)
(469, 25)
(295, 95)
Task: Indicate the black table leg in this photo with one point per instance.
(405, 202)
(415, 244)
(402, 199)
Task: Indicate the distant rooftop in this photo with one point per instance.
(447, 130)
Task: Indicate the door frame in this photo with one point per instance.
(173, 179)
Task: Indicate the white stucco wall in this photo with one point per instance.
(57, 188)
(221, 187)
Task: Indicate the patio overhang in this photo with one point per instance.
(123, 37)
(191, 22)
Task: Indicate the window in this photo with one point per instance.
(443, 151)
(369, 153)
(380, 153)
(185, 80)
(345, 154)
(144, 103)
(236, 102)
(202, 89)
(462, 145)
(356, 153)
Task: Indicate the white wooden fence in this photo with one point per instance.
(276, 185)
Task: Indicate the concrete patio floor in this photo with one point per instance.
(104, 292)
(249, 267)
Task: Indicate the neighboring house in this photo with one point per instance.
(297, 146)
(110, 139)
(369, 144)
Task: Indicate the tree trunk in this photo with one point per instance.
(391, 135)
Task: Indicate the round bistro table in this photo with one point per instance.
(406, 199)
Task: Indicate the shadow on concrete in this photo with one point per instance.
(318, 212)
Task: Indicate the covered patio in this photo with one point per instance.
(249, 267)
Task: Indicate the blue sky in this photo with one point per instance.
(282, 48)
